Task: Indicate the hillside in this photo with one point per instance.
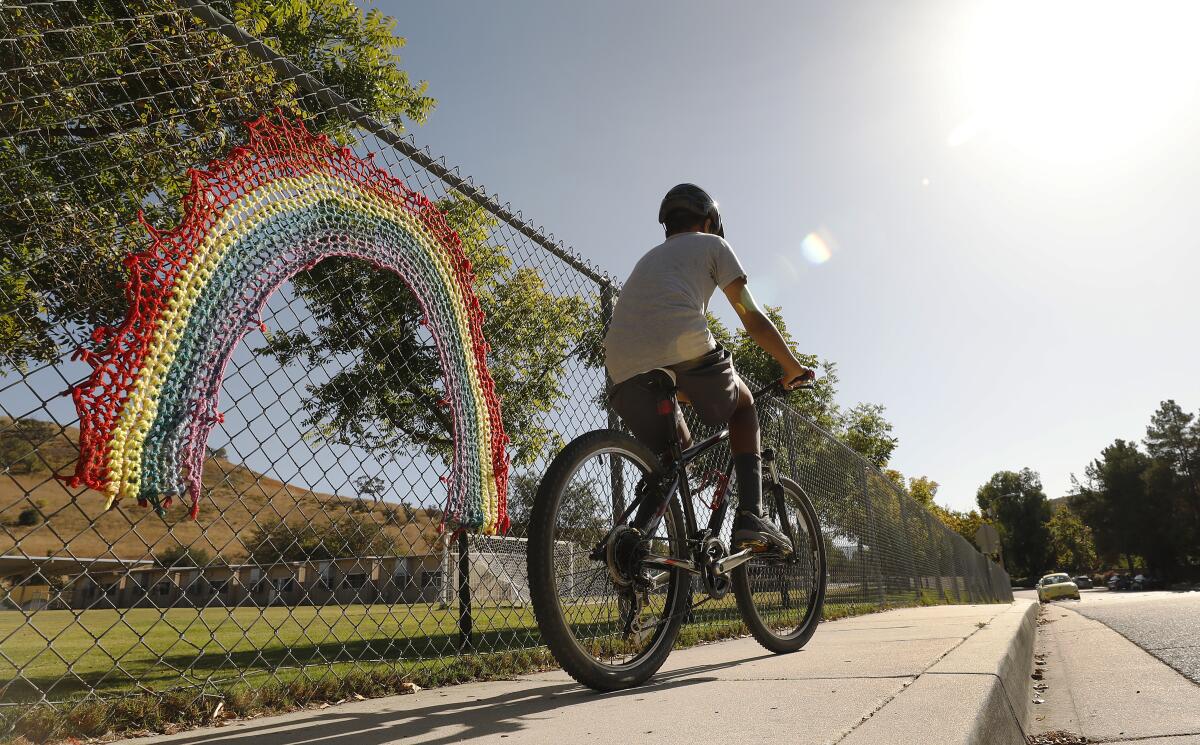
(238, 500)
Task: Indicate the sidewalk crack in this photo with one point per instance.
(915, 678)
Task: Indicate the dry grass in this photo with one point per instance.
(77, 524)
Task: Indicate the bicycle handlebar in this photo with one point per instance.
(775, 388)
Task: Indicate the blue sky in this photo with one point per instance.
(1009, 194)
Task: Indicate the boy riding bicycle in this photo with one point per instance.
(659, 323)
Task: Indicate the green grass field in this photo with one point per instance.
(64, 653)
(146, 668)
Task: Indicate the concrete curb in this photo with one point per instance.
(975, 695)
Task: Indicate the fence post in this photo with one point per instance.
(908, 546)
(616, 474)
(873, 536)
(938, 570)
(464, 592)
(959, 574)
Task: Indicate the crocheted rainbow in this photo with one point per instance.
(283, 203)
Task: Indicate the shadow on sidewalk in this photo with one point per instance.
(501, 714)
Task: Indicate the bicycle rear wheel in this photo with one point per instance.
(609, 622)
(780, 598)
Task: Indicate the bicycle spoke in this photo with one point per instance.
(595, 609)
(784, 594)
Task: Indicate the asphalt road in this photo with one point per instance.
(1165, 624)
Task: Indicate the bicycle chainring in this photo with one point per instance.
(717, 585)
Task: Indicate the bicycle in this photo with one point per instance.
(610, 597)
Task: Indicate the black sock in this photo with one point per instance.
(748, 467)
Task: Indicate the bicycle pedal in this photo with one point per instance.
(755, 547)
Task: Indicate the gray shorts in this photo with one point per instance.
(709, 381)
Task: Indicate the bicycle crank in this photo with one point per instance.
(733, 561)
(716, 580)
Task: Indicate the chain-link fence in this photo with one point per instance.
(323, 460)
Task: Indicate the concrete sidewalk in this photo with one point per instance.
(948, 674)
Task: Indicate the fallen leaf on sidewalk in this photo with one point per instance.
(1057, 738)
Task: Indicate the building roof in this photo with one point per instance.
(49, 566)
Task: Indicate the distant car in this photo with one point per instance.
(1056, 586)
(1144, 582)
(1083, 582)
(1120, 582)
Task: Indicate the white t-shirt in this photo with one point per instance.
(659, 318)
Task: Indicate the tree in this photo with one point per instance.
(868, 433)
(1172, 510)
(1174, 437)
(1140, 505)
(388, 393)
(923, 490)
(29, 517)
(863, 427)
(96, 144)
(346, 537)
(183, 556)
(585, 513)
(1071, 546)
(20, 442)
(816, 403)
(1112, 498)
(88, 178)
(1015, 503)
(966, 524)
(372, 487)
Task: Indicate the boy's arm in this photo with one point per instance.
(764, 333)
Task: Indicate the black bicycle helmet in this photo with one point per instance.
(693, 200)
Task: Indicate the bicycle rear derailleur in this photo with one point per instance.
(624, 553)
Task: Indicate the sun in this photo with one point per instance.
(1076, 81)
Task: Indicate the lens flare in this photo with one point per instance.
(815, 249)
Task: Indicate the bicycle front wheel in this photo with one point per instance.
(780, 598)
(608, 620)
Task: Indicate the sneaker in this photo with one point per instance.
(751, 530)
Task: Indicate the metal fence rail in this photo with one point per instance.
(316, 551)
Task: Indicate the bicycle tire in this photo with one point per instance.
(544, 590)
(813, 554)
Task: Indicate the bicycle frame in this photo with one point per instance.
(680, 459)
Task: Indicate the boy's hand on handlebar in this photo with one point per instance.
(796, 376)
